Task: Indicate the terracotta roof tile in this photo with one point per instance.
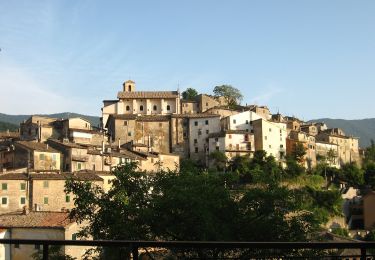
(13, 176)
(35, 219)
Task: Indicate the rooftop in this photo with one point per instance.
(36, 146)
(148, 94)
(35, 219)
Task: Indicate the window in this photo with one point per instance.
(216, 139)
(67, 198)
(141, 108)
(168, 107)
(79, 166)
(196, 123)
(251, 122)
(206, 122)
(4, 186)
(265, 137)
(281, 131)
(53, 157)
(74, 236)
(160, 124)
(130, 88)
(270, 146)
(127, 108)
(217, 148)
(125, 123)
(22, 186)
(281, 146)
(195, 141)
(4, 201)
(206, 104)
(129, 133)
(155, 108)
(37, 247)
(270, 129)
(41, 156)
(22, 200)
(16, 245)
(45, 200)
(230, 136)
(247, 122)
(199, 132)
(45, 184)
(207, 131)
(234, 121)
(196, 149)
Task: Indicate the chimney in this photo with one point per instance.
(25, 210)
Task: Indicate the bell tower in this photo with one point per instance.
(129, 86)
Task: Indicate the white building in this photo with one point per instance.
(233, 143)
(241, 121)
(270, 137)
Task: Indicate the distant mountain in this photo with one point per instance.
(362, 128)
(17, 119)
(4, 126)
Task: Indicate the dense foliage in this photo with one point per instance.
(250, 202)
(189, 94)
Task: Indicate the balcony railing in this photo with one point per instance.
(254, 250)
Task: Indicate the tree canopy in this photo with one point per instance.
(197, 205)
(231, 94)
(189, 94)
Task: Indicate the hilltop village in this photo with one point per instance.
(155, 129)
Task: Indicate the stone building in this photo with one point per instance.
(14, 190)
(30, 155)
(39, 191)
(262, 111)
(307, 141)
(310, 129)
(189, 107)
(150, 130)
(327, 152)
(141, 103)
(348, 150)
(38, 225)
(222, 111)
(38, 128)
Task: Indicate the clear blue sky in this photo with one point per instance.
(310, 59)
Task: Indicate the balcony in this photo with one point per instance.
(215, 250)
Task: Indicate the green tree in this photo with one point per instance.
(189, 94)
(299, 153)
(351, 174)
(231, 94)
(369, 174)
(219, 160)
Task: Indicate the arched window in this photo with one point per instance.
(141, 108)
(155, 108)
(127, 108)
(130, 88)
(168, 107)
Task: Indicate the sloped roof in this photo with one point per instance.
(35, 219)
(36, 146)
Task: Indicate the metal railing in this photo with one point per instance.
(135, 247)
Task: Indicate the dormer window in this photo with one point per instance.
(130, 88)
